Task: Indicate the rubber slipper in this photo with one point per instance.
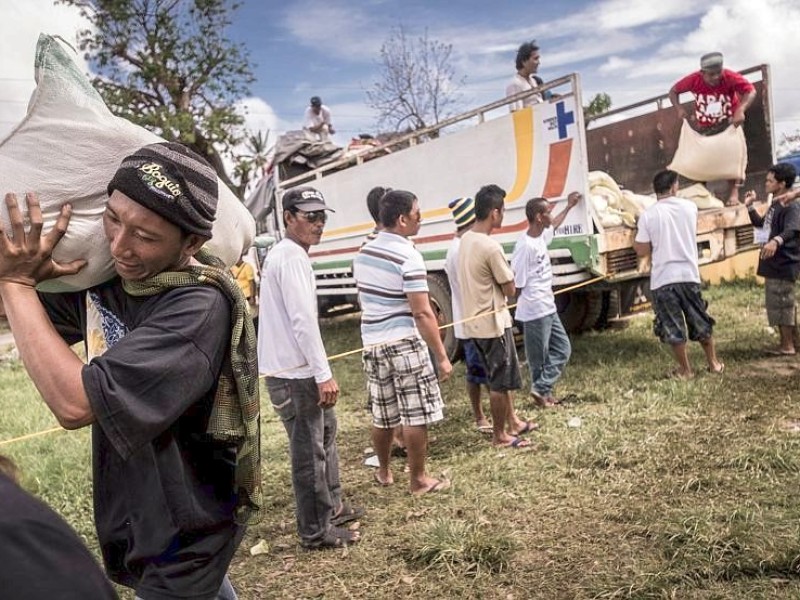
(541, 401)
(441, 484)
(529, 427)
(335, 537)
(719, 371)
(487, 429)
(778, 352)
(676, 374)
(517, 444)
(379, 482)
(347, 514)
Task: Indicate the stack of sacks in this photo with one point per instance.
(67, 149)
(615, 207)
(699, 194)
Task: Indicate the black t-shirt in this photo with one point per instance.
(785, 222)
(41, 557)
(163, 491)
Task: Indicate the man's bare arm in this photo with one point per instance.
(26, 259)
(429, 330)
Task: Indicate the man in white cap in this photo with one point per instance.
(721, 97)
(300, 382)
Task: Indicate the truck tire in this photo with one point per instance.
(579, 311)
(443, 309)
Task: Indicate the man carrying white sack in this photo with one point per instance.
(721, 97)
(171, 386)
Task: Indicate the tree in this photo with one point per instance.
(416, 86)
(167, 65)
(597, 105)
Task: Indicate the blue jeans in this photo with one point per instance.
(226, 591)
(547, 349)
(312, 448)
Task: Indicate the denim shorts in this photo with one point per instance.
(680, 307)
(476, 372)
(499, 355)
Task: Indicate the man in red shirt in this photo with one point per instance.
(721, 97)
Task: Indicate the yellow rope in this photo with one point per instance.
(340, 355)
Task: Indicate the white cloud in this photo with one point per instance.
(339, 28)
(615, 64)
(19, 30)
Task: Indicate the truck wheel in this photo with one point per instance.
(579, 311)
(443, 309)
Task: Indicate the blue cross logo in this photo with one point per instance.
(564, 119)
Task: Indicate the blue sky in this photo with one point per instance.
(630, 49)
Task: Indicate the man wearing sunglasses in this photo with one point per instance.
(299, 379)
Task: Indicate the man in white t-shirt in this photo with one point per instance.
(463, 210)
(301, 385)
(668, 232)
(318, 119)
(526, 79)
(547, 346)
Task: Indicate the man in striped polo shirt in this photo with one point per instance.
(396, 317)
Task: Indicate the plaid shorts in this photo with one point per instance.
(401, 385)
(678, 307)
(780, 301)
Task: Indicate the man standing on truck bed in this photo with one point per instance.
(396, 317)
(547, 346)
(486, 281)
(668, 232)
(526, 79)
(721, 97)
(779, 262)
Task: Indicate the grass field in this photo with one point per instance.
(642, 488)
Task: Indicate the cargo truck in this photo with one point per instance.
(547, 150)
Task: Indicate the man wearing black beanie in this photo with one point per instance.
(171, 384)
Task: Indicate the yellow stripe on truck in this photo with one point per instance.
(523, 140)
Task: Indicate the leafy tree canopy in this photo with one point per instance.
(168, 66)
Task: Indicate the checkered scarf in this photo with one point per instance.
(235, 416)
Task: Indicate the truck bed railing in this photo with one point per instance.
(427, 133)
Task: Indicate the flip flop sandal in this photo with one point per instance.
(440, 485)
(529, 427)
(485, 429)
(517, 444)
(778, 352)
(379, 482)
(347, 514)
(335, 537)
